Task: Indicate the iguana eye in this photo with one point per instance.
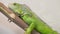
(14, 4)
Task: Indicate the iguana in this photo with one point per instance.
(26, 14)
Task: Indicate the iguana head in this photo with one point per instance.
(16, 8)
(20, 9)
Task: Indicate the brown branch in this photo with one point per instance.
(12, 16)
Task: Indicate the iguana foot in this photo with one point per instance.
(27, 33)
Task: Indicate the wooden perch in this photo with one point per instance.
(13, 17)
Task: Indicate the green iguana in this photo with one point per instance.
(31, 19)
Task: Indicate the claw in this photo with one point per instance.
(10, 20)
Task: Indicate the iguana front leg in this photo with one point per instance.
(30, 28)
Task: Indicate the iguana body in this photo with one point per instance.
(31, 19)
